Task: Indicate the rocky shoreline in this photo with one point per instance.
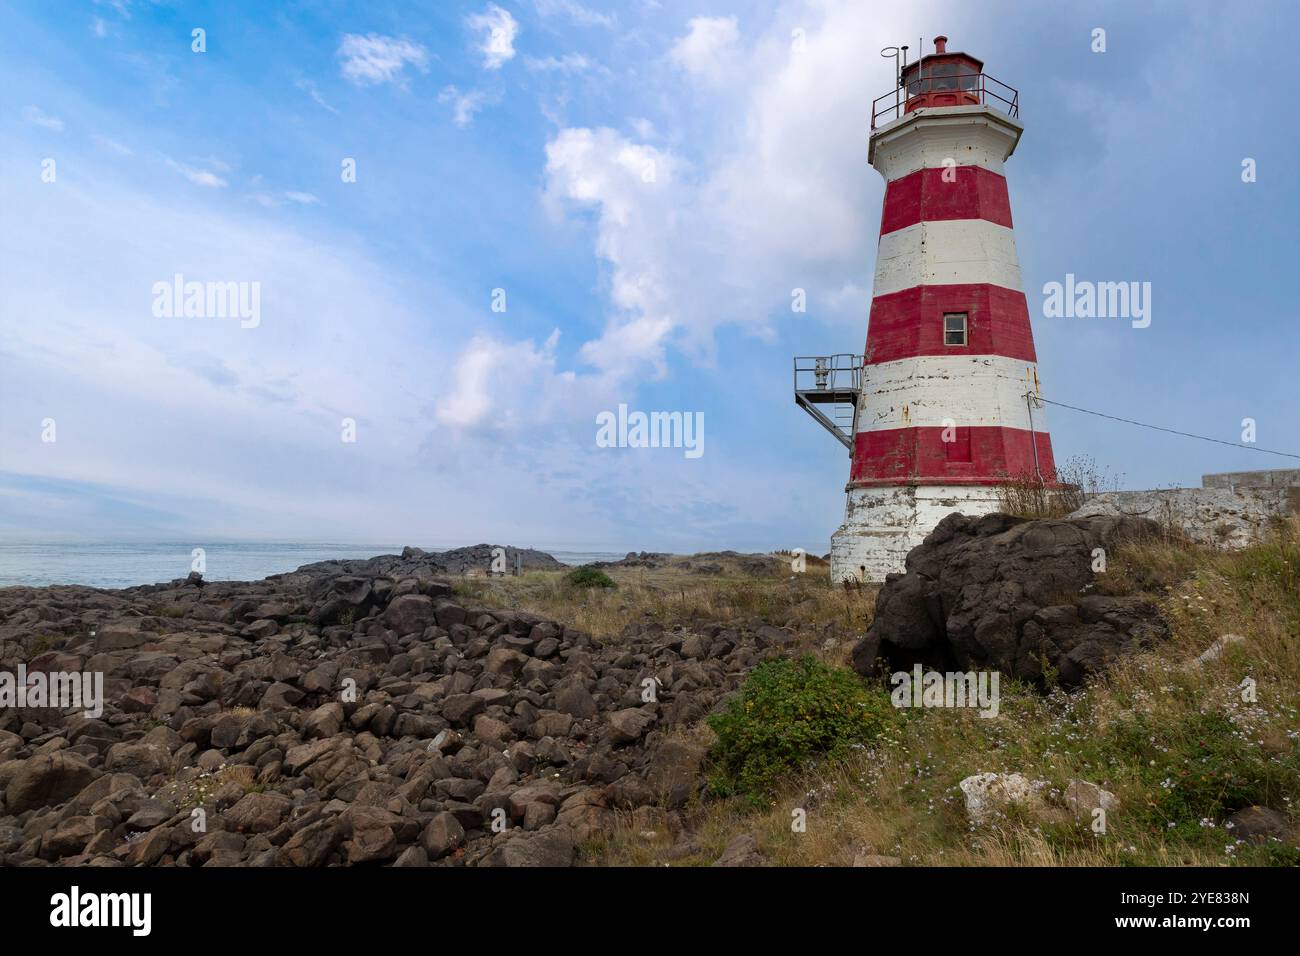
(347, 713)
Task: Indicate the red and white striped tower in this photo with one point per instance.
(943, 416)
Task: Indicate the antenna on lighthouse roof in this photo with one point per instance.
(895, 51)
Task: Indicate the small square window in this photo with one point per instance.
(954, 328)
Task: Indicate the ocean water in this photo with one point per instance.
(108, 565)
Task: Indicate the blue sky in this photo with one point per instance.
(506, 146)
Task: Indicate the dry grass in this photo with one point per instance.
(808, 602)
(1026, 497)
(1079, 478)
(193, 789)
(1181, 745)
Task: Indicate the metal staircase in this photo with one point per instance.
(830, 380)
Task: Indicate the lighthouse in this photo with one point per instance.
(941, 410)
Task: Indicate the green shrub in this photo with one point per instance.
(588, 577)
(787, 712)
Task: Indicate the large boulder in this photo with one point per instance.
(47, 780)
(551, 847)
(410, 614)
(990, 794)
(674, 773)
(442, 835)
(1258, 825)
(258, 812)
(742, 851)
(1011, 594)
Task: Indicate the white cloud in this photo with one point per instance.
(199, 177)
(99, 27)
(582, 15)
(709, 230)
(112, 145)
(499, 30)
(709, 47)
(275, 200)
(733, 221)
(278, 389)
(310, 88)
(569, 63)
(643, 127)
(632, 188)
(464, 105)
(38, 117)
(372, 59)
(490, 380)
(121, 7)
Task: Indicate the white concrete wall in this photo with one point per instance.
(1215, 517)
(882, 524)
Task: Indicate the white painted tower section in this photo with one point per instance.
(882, 524)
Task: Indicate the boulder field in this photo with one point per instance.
(347, 713)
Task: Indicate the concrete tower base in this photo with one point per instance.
(882, 524)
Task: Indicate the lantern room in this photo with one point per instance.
(942, 79)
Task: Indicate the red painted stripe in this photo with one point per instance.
(983, 455)
(924, 196)
(910, 323)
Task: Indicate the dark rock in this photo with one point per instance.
(1258, 825)
(553, 846)
(138, 700)
(461, 708)
(443, 835)
(312, 845)
(154, 813)
(551, 723)
(534, 797)
(410, 614)
(47, 780)
(258, 812)
(413, 856)
(502, 660)
(149, 848)
(674, 771)
(144, 760)
(742, 851)
(574, 699)
(1009, 593)
(629, 725)
(586, 814)
(280, 696)
(325, 721)
(374, 838)
(71, 836)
